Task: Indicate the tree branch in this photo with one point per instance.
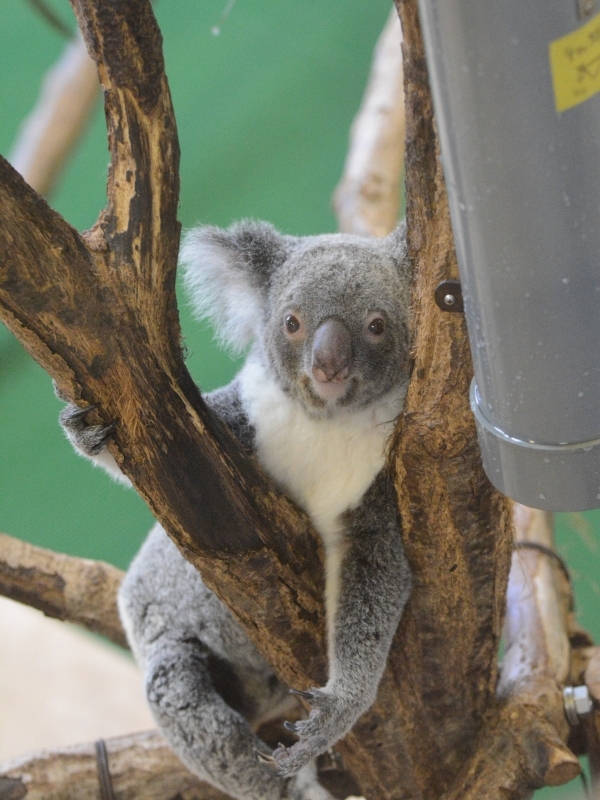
(98, 312)
(367, 197)
(522, 746)
(74, 589)
(141, 766)
(455, 525)
(48, 135)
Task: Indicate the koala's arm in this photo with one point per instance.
(91, 441)
(206, 684)
(368, 583)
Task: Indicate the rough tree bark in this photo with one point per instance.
(98, 312)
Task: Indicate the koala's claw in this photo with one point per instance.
(80, 412)
(330, 718)
(268, 764)
(88, 439)
(304, 695)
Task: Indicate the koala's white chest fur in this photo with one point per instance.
(325, 465)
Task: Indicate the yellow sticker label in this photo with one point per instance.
(575, 64)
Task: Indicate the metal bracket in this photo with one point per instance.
(578, 703)
(448, 296)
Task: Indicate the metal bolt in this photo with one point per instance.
(448, 295)
(578, 703)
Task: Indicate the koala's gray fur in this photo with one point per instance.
(316, 400)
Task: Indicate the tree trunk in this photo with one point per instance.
(98, 312)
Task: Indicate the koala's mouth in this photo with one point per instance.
(320, 395)
(329, 390)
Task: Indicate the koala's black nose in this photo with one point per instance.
(332, 352)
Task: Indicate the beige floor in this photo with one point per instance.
(60, 686)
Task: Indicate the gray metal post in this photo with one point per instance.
(523, 180)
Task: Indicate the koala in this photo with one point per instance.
(324, 320)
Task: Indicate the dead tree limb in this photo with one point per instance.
(367, 197)
(141, 766)
(68, 96)
(74, 589)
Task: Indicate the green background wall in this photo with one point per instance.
(263, 112)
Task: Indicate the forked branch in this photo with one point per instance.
(98, 311)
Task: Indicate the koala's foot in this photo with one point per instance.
(88, 439)
(329, 720)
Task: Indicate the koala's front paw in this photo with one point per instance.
(329, 719)
(88, 439)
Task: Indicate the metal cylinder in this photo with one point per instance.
(515, 87)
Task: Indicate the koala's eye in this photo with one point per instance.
(376, 326)
(293, 326)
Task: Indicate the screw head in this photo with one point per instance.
(448, 295)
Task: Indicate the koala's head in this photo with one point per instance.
(329, 313)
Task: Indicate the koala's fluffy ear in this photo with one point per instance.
(397, 245)
(228, 272)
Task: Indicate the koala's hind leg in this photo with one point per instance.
(212, 739)
(206, 683)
